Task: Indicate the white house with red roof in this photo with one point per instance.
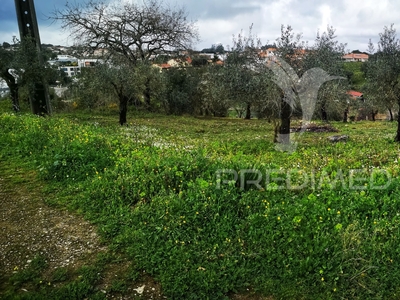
(356, 57)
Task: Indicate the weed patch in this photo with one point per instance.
(153, 192)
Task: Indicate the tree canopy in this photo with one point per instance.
(383, 72)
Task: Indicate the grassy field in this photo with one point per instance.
(209, 209)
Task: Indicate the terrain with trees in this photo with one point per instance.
(187, 191)
(134, 37)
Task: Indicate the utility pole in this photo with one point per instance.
(29, 31)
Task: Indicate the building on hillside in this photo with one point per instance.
(162, 67)
(354, 95)
(362, 57)
(360, 112)
(100, 52)
(356, 110)
(268, 54)
(71, 65)
(70, 71)
(271, 54)
(3, 88)
(88, 62)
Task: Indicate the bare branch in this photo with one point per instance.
(135, 31)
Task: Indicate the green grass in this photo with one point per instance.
(151, 188)
(357, 78)
(31, 282)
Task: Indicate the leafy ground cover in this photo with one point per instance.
(170, 194)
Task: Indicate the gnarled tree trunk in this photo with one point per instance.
(248, 111)
(284, 128)
(397, 138)
(13, 86)
(391, 115)
(373, 114)
(147, 94)
(123, 109)
(324, 115)
(345, 115)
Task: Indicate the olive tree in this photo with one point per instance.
(327, 53)
(117, 79)
(214, 94)
(245, 76)
(383, 72)
(379, 91)
(299, 84)
(182, 92)
(138, 32)
(290, 49)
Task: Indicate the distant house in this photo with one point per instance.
(3, 88)
(71, 65)
(65, 59)
(165, 66)
(358, 112)
(209, 56)
(355, 95)
(162, 67)
(70, 71)
(362, 57)
(100, 52)
(88, 62)
(268, 54)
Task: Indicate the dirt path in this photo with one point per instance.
(29, 227)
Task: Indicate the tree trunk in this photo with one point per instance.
(284, 128)
(248, 112)
(14, 97)
(373, 114)
(13, 86)
(123, 109)
(391, 115)
(147, 94)
(397, 138)
(324, 115)
(40, 102)
(346, 112)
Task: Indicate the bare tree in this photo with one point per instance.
(136, 31)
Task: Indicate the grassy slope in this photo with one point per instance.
(357, 78)
(152, 190)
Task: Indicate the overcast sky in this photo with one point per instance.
(355, 21)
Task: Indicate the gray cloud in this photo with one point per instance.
(355, 21)
(223, 9)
